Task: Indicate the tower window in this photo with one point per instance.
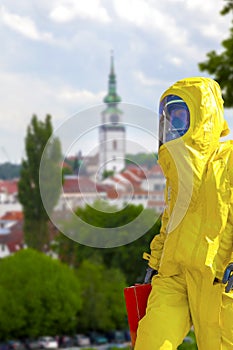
(114, 144)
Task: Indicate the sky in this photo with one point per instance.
(55, 57)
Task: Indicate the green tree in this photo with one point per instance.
(221, 65)
(35, 216)
(38, 296)
(143, 159)
(128, 258)
(103, 299)
(107, 173)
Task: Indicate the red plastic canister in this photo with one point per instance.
(136, 301)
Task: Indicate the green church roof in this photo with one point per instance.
(112, 96)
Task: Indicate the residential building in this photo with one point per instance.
(11, 233)
(8, 191)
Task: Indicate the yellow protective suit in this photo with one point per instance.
(196, 238)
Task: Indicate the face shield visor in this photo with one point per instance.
(174, 118)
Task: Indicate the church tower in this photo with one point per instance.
(112, 131)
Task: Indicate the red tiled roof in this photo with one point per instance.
(13, 215)
(136, 170)
(156, 169)
(9, 186)
(129, 176)
(78, 184)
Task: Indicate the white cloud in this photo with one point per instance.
(139, 75)
(23, 25)
(155, 42)
(81, 97)
(201, 6)
(68, 10)
(147, 81)
(62, 14)
(175, 23)
(29, 94)
(213, 31)
(143, 14)
(207, 18)
(23, 95)
(176, 61)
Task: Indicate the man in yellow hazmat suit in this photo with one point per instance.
(194, 247)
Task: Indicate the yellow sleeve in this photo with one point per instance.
(157, 243)
(225, 255)
(225, 252)
(230, 219)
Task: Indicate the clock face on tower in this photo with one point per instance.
(114, 118)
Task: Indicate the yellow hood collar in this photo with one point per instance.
(207, 123)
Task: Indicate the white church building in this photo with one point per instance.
(112, 133)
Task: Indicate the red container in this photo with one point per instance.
(136, 301)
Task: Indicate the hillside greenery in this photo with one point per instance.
(128, 257)
(9, 171)
(38, 295)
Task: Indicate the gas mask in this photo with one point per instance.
(174, 118)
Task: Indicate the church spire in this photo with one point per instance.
(112, 96)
